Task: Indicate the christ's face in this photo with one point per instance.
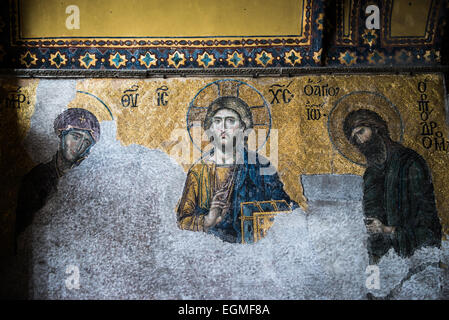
(226, 126)
(75, 143)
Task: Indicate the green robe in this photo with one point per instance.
(401, 194)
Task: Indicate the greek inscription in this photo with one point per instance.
(431, 137)
(320, 90)
(314, 111)
(423, 103)
(162, 95)
(425, 115)
(428, 128)
(422, 86)
(280, 93)
(427, 142)
(15, 99)
(440, 142)
(130, 96)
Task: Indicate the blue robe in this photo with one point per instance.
(257, 181)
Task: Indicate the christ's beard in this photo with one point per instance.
(374, 150)
(230, 146)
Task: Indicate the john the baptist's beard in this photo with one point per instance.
(374, 149)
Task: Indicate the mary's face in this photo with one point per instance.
(75, 143)
(226, 126)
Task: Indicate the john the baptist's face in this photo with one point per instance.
(226, 126)
(75, 143)
(361, 134)
(369, 143)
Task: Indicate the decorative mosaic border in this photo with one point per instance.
(341, 38)
(169, 58)
(177, 54)
(431, 27)
(358, 48)
(303, 38)
(376, 47)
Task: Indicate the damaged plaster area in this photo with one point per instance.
(113, 220)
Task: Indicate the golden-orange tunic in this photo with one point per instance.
(202, 181)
